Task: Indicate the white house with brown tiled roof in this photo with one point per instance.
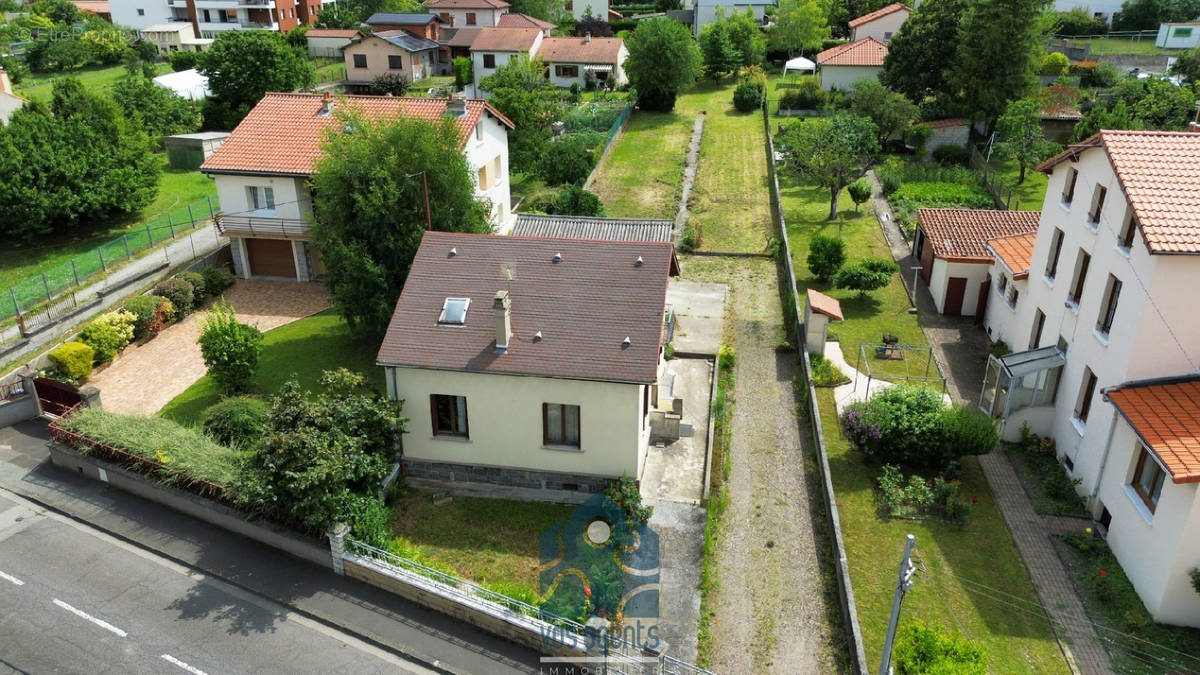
(528, 361)
(571, 60)
(469, 13)
(1110, 303)
(261, 171)
(881, 24)
(494, 47)
(842, 66)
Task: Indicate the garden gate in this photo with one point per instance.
(55, 397)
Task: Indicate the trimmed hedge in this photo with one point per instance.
(199, 286)
(73, 359)
(216, 279)
(239, 421)
(180, 292)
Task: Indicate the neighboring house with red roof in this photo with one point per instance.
(517, 20)
(469, 13)
(9, 101)
(881, 24)
(329, 42)
(390, 52)
(842, 66)
(494, 47)
(571, 60)
(952, 247)
(261, 171)
(1109, 309)
(528, 361)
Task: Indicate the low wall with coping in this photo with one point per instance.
(19, 408)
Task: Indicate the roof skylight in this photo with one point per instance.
(454, 311)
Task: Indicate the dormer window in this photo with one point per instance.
(454, 311)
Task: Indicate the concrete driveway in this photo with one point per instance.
(144, 378)
(700, 311)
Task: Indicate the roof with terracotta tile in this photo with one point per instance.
(948, 122)
(1016, 252)
(823, 304)
(880, 13)
(331, 33)
(1165, 414)
(585, 306)
(518, 20)
(492, 39)
(282, 135)
(459, 37)
(1159, 172)
(467, 4)
(92, 6)
(865, 52)
(580, 50)
(961, 235)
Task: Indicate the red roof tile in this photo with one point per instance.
(492, 39)
(1166, 416)
(823, 304)
(577, 50)
(331, 33)
(865, 52)
(518, 20)
(1159, 172)
(880, 13)
(282, 135)
(584, 306)
(961, 235)
(1016, 252)
(949, 122)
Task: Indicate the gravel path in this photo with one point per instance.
(771, 613)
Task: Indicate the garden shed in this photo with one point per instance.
(945, 132)
(818, 312)
(188, 151)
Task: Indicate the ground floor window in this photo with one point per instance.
(560, 424)
(449, 414)
(566, 71)
(1148, 479)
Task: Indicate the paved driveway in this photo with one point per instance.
(145, 377)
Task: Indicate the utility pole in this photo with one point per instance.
(903, 584)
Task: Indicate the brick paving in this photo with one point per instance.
(960, 346)
(144, 378)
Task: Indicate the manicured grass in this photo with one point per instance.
(641, 177)
(951, 561)
(38, 86)
(1031, 193)
(493, 542)
(1110, 45)
(305, 349)
(867, 317)
(176, 189)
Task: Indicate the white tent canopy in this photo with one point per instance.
(188, 84)
(800, 64)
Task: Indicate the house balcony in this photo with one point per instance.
(262, 227)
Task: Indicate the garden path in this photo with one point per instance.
(144, 377)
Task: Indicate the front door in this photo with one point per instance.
(956, 288)
(981, 303)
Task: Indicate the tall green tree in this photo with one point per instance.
(242, 66)
(61, 12)
(546, 10)
(1148, 14)
(747, 38)
(720, 57)
(335, 16)
(370, 207)
(157, 110)
(800, 26)
(831, 152)
(1019, 134)
(1103, 117)
(891, 112)
(997, 43)
(1187, 65)
(521, 91)
(920, 53)
(663, 61)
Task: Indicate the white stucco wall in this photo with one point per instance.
(579, 8)
(483, 17)
(1105, 7)
(706, 11)
(975, 273)
(999, 318)
(843, 78)
(504, 419)
(483, 152)
(940, 136)
(616, 78)
(881, 29)
(8, 105)
(125, 13)
(292, 199)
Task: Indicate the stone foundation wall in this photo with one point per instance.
(525, 478)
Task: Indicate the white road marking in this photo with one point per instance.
(191, 669)
(11, 578)
(84, 615)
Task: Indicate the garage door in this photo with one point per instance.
(271, 258)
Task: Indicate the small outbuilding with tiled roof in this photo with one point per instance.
(952, 247)
(881, 24)
(819, 310)
(528, 361)
(949, 131)
(329, 42)
(582, 60)
(842, 66)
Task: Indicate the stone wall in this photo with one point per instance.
(524, 478)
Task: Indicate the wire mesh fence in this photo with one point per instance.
(39, 290)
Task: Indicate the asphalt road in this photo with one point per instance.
(75, 600)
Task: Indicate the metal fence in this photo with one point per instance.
(37, 291)
(1001, 192)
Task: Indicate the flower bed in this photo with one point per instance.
(916, 497)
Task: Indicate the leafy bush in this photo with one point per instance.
(691, 239)
(806, 95)
(570, 159)
(199, 287)
(463, 74)
(179, 291)
(862, 279)
(148, 318)
(1055, 64)
(916, 496)
(826, 255)
(889, 183)
(968, 430)
(390, 84)
(230, 349)
(936, 195)
(955, 155)
(625, 493)
(575, 201)
(902, 424)
(923, 650)
(860, 191)
(826, 374)
(1096, 75)
(108, 334)
(1079, 21)
(1194, 574)
(183, 60)
(747, 97)
(169, 313)
(238, 421)
(216, 279)
(73, 359)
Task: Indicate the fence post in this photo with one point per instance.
(125, 240)
(150, 234)
(100, 252)
(337, 546)
(46, 285)
(75, 271)
(210, 208)
(16, 305)
(191, 216)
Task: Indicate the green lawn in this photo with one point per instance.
(641, 177)
(1110, 45)
(1030, 193)
(305, 348)
(176, 189)
(38, 86)
(949, 558)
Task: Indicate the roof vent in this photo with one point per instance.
(453, 252)
(626, 342)
(537, 337)
(638, 262)
(454, 311)
(558, 257)
(326, 105)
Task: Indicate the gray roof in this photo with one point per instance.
(406, 40)
(579, 227)
(402, 19)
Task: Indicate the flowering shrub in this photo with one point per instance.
(862, 432)
(918, 496)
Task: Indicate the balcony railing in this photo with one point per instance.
(261, 227)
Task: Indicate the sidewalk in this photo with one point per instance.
(960, 347)
(201, 242)
(367, 613)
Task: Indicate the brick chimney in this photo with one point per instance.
(502, 319)
(5, 83)
(326, 104)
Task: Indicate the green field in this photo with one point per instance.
(38, 86)
(641, 177)
(1110, 45)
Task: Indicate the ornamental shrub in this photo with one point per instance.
(169, 313)
(239, 421)
(826, 255)
(826, 374)
(73, 359)
(902, 424)
(955, 155)
(199, 287)
(747, 97)
(860, 192)
(108, 334)
(230, 349)
(806, 95)
(145, 309)
(180, 292)
(570, 159)
(970, 431)
(862, 278)
(625, 493)
(921, 649)
(1055, 64)
(216, 279)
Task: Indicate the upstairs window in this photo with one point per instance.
(560, 424)
(449, 415)
(262, 198)
(360, 60)
(1097, 204)
(1002, 284)
(1013, 294)
(1125, 238)
(1109, 311)
(489, 60)
(1081, 270)
(447, 18)
(1148, 479)
(1039, 322)
(470, 18)
(1083, 405)
(1068, 192)
(1056, 243)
